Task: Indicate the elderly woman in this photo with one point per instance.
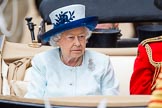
(69, 69)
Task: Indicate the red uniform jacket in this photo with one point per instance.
(143, 72)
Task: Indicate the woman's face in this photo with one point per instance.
(73, 42)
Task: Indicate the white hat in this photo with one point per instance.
(69, 17)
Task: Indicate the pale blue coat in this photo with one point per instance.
(50, 77)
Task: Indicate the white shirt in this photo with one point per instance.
(50, 77)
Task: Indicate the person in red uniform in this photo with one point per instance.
(147, 66)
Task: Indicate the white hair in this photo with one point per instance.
(54, 39)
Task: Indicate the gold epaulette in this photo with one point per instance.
(149, 40)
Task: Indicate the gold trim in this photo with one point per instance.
(149, 40)
(157, 66)
(35, 44)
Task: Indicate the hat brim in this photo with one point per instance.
(89, 22)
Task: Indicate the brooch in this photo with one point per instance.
(91, 65)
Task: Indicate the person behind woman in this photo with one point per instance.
(70, 69)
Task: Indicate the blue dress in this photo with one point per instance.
(50, 77)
